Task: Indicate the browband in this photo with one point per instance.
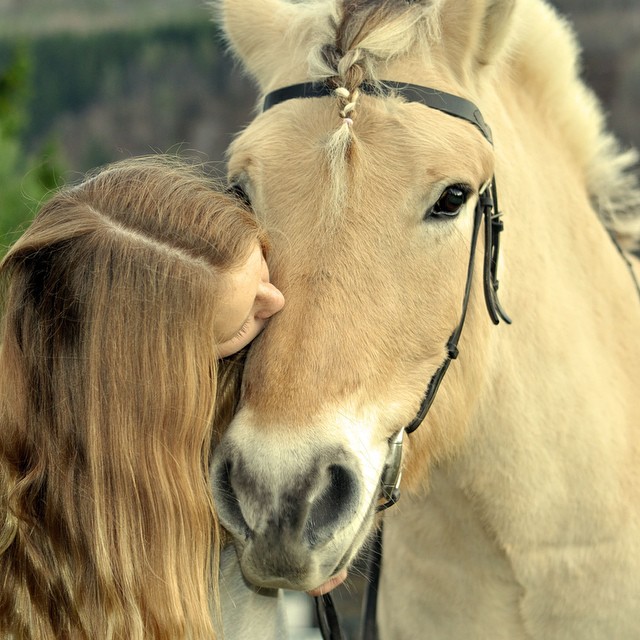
(432, 98)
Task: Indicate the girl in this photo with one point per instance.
(119, 301)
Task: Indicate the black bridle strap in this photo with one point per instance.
(459, 108)
(487, 203)
(623, 255)
(327, 616)
(370, 602)
(483, 210)
(493, 227)
(432, 98)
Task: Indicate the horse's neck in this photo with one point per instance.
(546, 488)
(443, 574)
(553, 448)
(476, 557)
(556, 429)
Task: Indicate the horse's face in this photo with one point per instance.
(373, 274)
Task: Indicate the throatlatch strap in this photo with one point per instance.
(625, 258)
(493, 227)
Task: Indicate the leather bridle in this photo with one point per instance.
(486, 211)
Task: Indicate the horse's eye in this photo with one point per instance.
(450, 202)
(235, 189)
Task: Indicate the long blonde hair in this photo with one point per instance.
(108, 384)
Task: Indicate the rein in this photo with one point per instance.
(486, 211)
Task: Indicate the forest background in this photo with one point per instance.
(85, 82)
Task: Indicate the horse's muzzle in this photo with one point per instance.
(283, 520)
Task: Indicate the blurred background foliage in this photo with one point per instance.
(84, 82)
(25, 177)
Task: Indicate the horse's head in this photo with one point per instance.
(370, 202)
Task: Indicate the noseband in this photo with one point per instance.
(486, 211)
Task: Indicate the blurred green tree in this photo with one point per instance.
(24, 180)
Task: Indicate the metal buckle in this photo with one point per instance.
(392, 474)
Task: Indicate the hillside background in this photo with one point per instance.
(97, 80)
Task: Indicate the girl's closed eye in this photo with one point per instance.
(244, 328)
(251, 300)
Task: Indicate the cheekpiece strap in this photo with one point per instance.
(486, 209)
(493, 227)
(452, 344)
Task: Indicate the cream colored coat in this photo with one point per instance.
(520, 515)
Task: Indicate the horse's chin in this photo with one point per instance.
(315, 581)
(309, 570)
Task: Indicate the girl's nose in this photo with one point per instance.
(270, 300)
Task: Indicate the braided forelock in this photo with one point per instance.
(367, 33)
(351, 60)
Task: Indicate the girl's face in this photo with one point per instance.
(248, 299)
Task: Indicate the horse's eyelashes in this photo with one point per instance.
(450, 202)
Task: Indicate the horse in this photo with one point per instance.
(390, 129)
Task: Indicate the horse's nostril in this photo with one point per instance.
(227, 503)
(337, 502)
(264, 512)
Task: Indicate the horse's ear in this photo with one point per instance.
(256, 32)
(475, 31)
